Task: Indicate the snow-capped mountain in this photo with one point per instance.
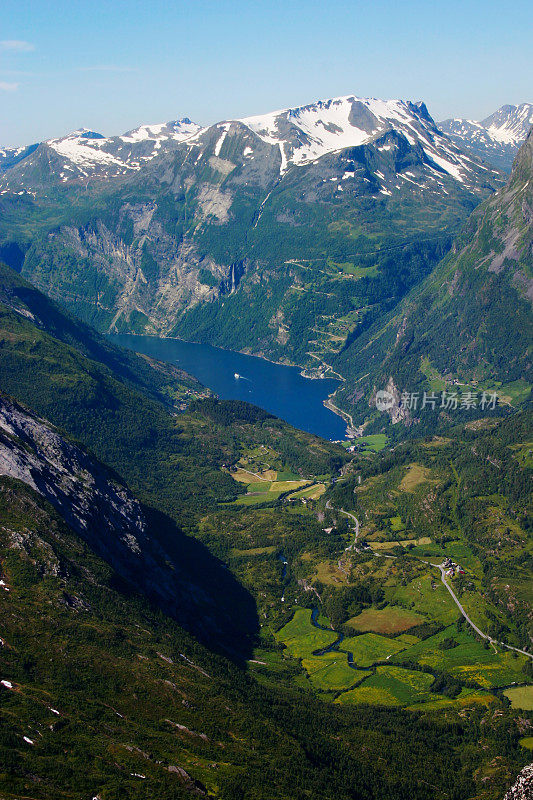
(85, 154)
(279, 141)
(9, 156)
(496, 138)
(167, 221)
(299, 137)
(307, 133)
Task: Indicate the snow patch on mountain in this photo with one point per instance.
(178, 131)
(496, 138)
(306, 134)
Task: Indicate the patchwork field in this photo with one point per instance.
(458, 653)
(391, 619)
(370, 648)
(392, 686)
(300, 636)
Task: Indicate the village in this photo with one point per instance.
(451, 568)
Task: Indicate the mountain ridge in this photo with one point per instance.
(455, 327)
(302, 134)
(495, 138)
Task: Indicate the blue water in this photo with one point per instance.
(278, 389)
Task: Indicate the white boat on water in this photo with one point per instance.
(236, 375)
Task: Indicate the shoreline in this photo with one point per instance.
(303, 371)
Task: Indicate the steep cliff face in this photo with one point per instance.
(147, 552)
(257, 234)
(471, 319)
(85, 494)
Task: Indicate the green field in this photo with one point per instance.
(435, 603)
(391, 619)
(300, 636)
(467, 697)
(392, 686)
(375, 442)
(521, 697)
(467, 660)
(396, 524)
(369, 648)
(331, 671)
(312, 493)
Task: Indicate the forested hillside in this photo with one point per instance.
(102, 689)
(468, 326)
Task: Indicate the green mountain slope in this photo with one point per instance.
(143, 708)
(102, 695)
(120, 405)
(224, 240)
(469, 324)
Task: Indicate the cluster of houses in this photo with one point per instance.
(452, 569)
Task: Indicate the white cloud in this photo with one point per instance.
(8, 87)
(18, 45)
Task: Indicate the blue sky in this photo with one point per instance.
(112, 65)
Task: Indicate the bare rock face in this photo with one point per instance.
(83, 492)
(88, 497)
(523, 788)
(145, 549)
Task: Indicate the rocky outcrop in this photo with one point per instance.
(86, 495)
(143, 547)
(523, 788)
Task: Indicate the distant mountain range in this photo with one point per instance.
(298, 136)
(496, 138)
(301, 225)
(288, 235)
(302, 134)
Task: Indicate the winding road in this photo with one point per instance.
(472, 624)
(490, 639)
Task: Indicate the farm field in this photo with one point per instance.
(521, 697)
(312, 493)
(415, 475)
(300, 636)
(466, 659)
(467, 697)
(424, 540)
(264, 484)
(253, 551)
(392, 686)
(369, 648)
(391, 619)
(266, 491)
(331, 671)
(375, 442)
(420, 596)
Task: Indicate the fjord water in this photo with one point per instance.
(278, 389)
